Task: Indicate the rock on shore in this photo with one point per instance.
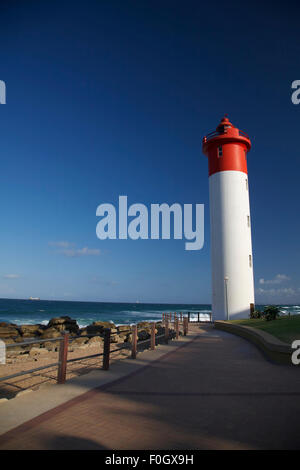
(79, 337)
(8, 332)
(64, 324)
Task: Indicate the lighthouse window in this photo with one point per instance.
(220, 151)
(250, 261)
(248, 220)
(246, 184)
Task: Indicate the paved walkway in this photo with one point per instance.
(214, 392)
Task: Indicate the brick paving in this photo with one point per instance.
(215, 392)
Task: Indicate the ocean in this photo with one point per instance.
(40, 311)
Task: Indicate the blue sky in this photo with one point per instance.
(109, 98)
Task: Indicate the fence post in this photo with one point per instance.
(153, 335)
(167, 331)
(106, 349)
(198, 317)
(177, 328)
(180, 316)
(189, 316)
(63, 354)
(210, 317)
(134, 342)
(185, 326)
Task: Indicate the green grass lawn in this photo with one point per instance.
(284, 328)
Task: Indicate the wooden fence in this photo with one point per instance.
(180, 326)
(197, 316)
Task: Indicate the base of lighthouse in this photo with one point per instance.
(231, 247)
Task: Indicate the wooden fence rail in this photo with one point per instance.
(106, 349)
(179, 320)
(193, 317)
(62, 362)
(134, 342)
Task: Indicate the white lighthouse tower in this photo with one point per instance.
(230, 223)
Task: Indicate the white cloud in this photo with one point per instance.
(278, 279)
(61, 244)
(11, 276)
(287, 291)
(73, 253)
(68, 249)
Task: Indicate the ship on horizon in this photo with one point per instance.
(34, 298)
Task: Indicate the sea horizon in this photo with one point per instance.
(26, 311)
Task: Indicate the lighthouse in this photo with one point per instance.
(230, 223)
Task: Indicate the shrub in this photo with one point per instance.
(255, 314)
(271, 312)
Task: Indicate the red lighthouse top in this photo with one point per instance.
(226, 148)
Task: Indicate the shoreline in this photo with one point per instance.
(27, 312)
